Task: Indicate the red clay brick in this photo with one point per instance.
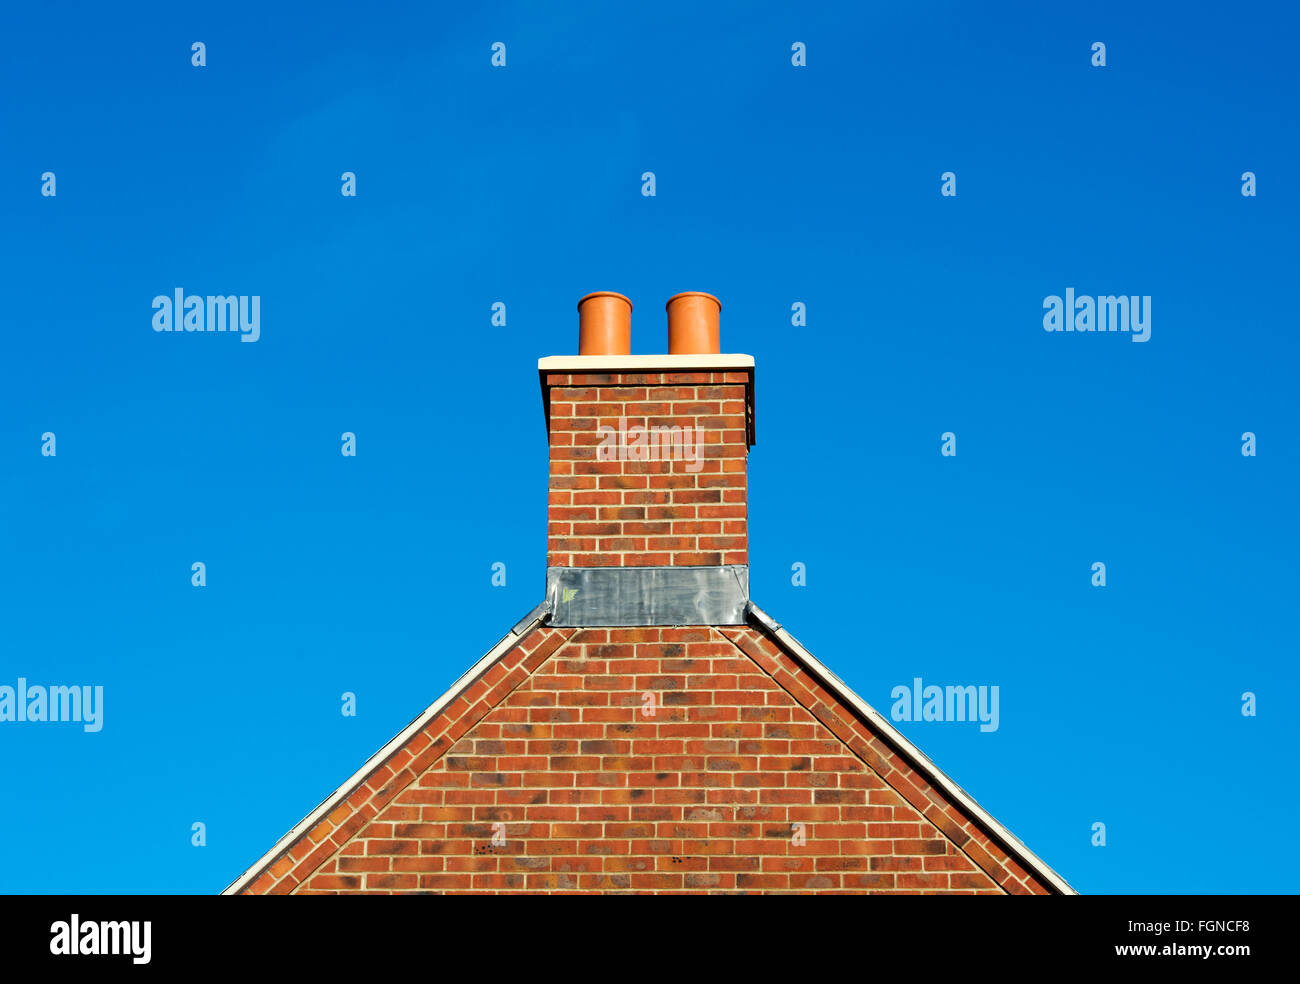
(591, 796)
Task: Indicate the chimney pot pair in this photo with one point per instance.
(605, 324)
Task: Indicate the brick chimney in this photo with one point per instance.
(647, 461)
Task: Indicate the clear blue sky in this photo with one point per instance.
(775, 184)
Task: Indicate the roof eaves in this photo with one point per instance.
(914, 755)
(523, 627)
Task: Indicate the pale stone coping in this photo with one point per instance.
(641, 363)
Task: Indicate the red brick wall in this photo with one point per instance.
(647, 513)
(748, 777)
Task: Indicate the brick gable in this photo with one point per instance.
(552, 752)
(721, 757)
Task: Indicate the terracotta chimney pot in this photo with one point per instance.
(604, 324)
(693, 324)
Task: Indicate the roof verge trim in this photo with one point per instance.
(914, 755)
(511, 639)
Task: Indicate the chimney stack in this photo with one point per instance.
(648, 516)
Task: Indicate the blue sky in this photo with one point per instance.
(775, 184)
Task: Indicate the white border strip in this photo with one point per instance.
(591, 363)
(432, 711)
(918, 758)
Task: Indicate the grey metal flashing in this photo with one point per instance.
(538, 616)
(596, 596)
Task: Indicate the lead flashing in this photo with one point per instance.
(613, 596)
